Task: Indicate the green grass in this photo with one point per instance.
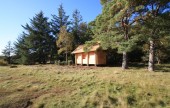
(51, 86)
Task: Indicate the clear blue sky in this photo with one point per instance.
(14, 13)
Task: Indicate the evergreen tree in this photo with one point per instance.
(85, 32)
(162, 50)
(155, 25)
(81, 31)
(113, 28)
(59, 20)
(36, 45)
(77, 19)
(64, 42)
(22, 50)
(8, 51)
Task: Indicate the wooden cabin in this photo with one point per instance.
(95, 56)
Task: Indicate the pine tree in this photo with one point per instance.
(162, 50)
(155, 25)
(59, 20)
(123, 23)
(77, 19)
(64, 42)
(80, 30)
(8, 51)
(113, 28)
(36, 44)
(22, 50)
(86, 33)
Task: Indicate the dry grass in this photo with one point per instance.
(3, 63)
(51, 86)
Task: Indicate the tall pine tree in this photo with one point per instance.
(59, 20)
(37, 43)
(113, 28)
(8, 51)
(81, 31)
(155, 25)
(77, 19)
(22, 50)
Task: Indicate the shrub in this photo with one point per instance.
(58, 62)
(63, 63)
(13, 66)
(70, 62)
(3, 63)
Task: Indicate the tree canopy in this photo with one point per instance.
(123, 24)
(36, 43)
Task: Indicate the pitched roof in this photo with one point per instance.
(80, 49)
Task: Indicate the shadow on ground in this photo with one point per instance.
(158, 68)
(162, 68)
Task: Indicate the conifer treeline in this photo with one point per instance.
(45, 41)
(130, 31)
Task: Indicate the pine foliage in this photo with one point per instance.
(8, 52)
(36, 43)
(59, 20)
(80, 30)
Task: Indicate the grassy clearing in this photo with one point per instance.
(51, 86)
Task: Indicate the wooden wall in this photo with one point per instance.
(91, 58)
(101, 57)
(79, 58)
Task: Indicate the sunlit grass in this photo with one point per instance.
(51, 86)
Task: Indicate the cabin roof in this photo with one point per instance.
(80, 49)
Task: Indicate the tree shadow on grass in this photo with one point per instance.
(158, 68)
(134, 65)
(162, 68)
(138, 65)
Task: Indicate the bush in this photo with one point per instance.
(61, 62)
(70, 62)
(58, 62)
(13, 66)
(3, 63)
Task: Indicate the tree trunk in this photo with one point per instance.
(124, 62)
(9, 60)
(151, 57)
(66, 58)
(158, 61)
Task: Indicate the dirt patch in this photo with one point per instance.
(21, 103)
(61, 90)
(25, 101)
(4, 92)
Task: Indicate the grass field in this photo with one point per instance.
(51, 86)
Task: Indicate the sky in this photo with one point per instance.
(14, 13)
